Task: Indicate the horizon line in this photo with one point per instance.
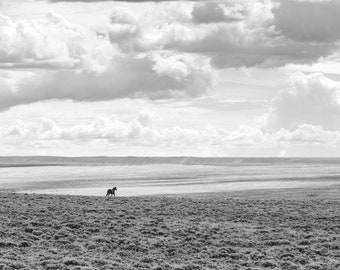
(103, 156)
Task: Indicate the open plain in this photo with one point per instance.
(269, 229)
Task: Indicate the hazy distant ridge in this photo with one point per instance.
(26, 161)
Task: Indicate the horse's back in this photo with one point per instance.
(111, 191)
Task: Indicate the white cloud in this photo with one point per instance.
(307, 134)
(146, 118)
(311, 99)
(143, 131)
(52, 42)
(124, 29)
(227, 11)
(77, 64)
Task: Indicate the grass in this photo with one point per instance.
(182, 233)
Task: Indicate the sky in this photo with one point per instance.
(212, 78)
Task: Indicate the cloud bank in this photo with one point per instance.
(156, 76)
(143, 131)
(231, 33)
(73, 63)
(172, 50)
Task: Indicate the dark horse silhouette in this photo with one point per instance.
(111, 192)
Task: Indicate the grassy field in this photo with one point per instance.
(287, 229)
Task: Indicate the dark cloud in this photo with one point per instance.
(133, 1)
(149, 77)
(238, 46)
(308, 21)
(231, 33)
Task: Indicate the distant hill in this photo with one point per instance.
(27, 161)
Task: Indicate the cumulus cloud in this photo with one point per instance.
(311, 99)
(218, 12)
(251, 41)
(52, 42)
(236, 46)
(307, 134)
(231, 33)
(170, 50)
(124, 29)
(70, 62)
(308, 21)
(143, 131)
(151, 76)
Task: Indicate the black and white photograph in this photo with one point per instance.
(170, 134)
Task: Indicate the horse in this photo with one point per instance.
(111, 192)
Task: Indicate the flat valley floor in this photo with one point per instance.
(268, 229)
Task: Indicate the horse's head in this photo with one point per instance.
(115, 188)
